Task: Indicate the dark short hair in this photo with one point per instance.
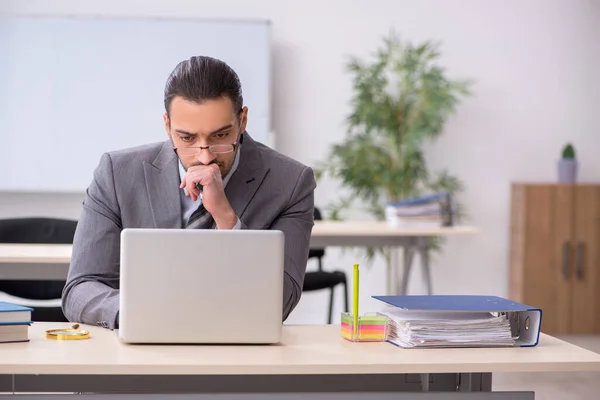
(203, 78)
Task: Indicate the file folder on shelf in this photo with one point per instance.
(525, 321)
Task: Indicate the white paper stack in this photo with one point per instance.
(429, 211)
(413, 329)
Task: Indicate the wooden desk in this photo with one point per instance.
(310, 358)
(52, 261)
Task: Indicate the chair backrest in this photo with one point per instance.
(317, 253)
(35, 230)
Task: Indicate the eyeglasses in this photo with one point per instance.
(195, 150)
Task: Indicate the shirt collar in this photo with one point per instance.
(236, 161)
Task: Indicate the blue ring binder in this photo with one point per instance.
(525, 321)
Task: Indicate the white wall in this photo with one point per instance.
(535, 64)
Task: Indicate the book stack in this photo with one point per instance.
(14, 322)
(430, 211)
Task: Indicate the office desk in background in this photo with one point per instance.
(310, 358)
(52, 261)
(414, 240)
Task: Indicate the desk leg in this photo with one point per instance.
(399, 286)
(425, 382)
(424, 253)
(474, 382)
(409, 255)
(393, 283)
(390, 271)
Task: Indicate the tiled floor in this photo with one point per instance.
(555, 386)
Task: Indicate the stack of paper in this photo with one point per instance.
(412, 328)
(430, 211)
(14, 322)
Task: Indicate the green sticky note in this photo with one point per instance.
(373, 320)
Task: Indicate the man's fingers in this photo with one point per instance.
(205, 176)
(193, 191)
(216, 171)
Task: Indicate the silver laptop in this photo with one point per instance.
(201, 286)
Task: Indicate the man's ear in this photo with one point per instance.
(167, 125)
(243, 119)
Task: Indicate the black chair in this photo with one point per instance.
(37, 231)
(319, 280)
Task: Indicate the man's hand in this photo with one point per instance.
(213, 193)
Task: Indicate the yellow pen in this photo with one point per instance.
(355, 305)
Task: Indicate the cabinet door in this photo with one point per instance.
(586, 276)
(563, 227)
(541, 253)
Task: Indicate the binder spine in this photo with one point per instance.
(525, 326)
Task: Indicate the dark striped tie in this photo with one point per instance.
(200, 219)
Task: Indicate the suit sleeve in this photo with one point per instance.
(91, 293)
(296, 222)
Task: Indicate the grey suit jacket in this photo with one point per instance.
(139, 188)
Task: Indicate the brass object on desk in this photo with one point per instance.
(68, 334)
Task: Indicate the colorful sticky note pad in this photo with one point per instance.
(371, 328)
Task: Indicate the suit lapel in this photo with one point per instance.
(162, 184)
(247, 178)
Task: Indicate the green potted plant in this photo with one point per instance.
(568, 165)
(400, 101)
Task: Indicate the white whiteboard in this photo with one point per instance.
(73, 88)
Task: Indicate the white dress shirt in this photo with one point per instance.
(188, 206)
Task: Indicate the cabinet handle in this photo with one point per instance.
(565, 266)
(579, 260)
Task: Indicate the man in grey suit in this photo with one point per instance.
(210, 174)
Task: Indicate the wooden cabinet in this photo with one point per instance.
(555, 254)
